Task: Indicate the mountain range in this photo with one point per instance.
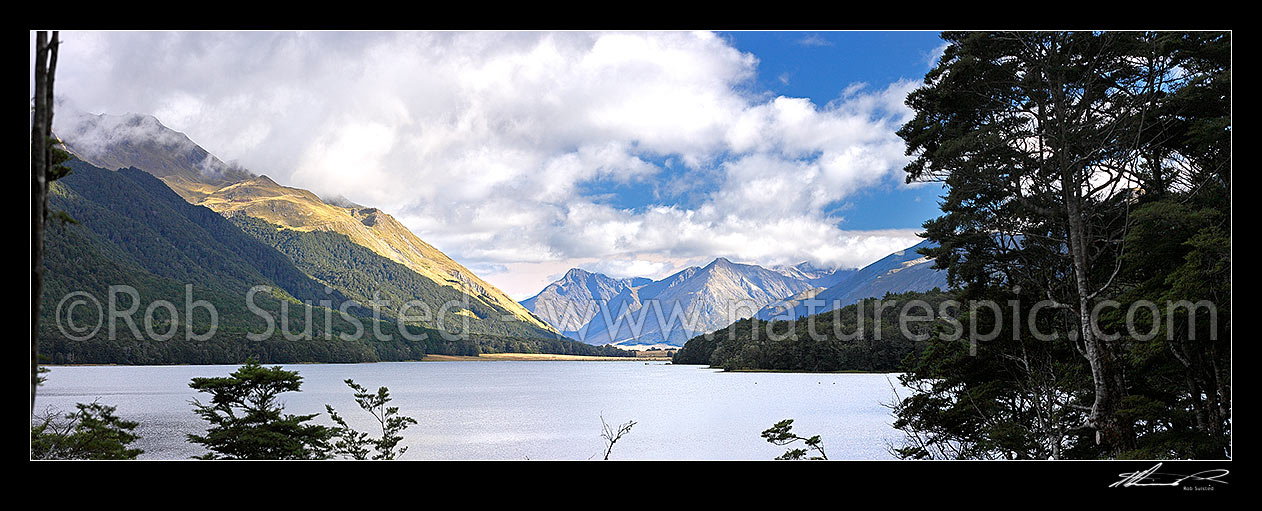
(141, 141)
(131, 230)
(171, 214)
(638, 312)
(581, 291)
(304, 243)
(902, 271)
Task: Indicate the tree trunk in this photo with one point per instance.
(1111, 433)
(38, 196)
(41, 130)
(1109, 388)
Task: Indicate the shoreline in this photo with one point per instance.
(787, 371)
(537, 357)
(485, 357)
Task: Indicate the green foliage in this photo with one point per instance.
(1010, 397)
(364, 275)
(497, 344)
(92, 432)
(1133, 134)
(1181, 379)
(148, 225)
(56, 170)
(354, 444)
(857, 337)
(347, 442)
(698, 349)
(57, 156)
(1023, 398)
(133, 230)
(782, 434)
(247, 422)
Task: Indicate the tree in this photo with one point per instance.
(1181, 379)
(612, 435)
(45, 168)
(92, 432)
(246, 422)
(1012, 397)
(782, 434)
(1186, 233)
(1046, 141)
(355, 444)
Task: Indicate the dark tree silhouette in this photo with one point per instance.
(782, 434)
(247, 421)
(42, 168)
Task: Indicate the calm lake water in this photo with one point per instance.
(517, 410)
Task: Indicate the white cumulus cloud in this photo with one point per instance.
(486, 143)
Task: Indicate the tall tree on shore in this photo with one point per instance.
(1046, 140)
(247, 422)
(44, 169)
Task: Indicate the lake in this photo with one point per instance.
(518, 410)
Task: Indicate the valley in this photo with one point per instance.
(696, 245)
(639, 312)
(336, 251)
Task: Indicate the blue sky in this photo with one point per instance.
(524, 154)
(819, 66)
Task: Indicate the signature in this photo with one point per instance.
(1151, 477)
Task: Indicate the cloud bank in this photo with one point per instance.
(488, 144)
